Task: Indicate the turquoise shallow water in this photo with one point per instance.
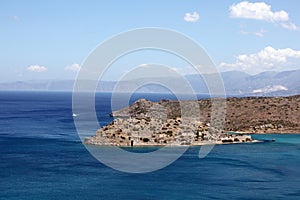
(42, 158)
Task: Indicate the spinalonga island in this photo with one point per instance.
(159, 123)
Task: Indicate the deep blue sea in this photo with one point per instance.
(41, 157)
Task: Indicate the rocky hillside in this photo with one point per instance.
(248, 114)
(165, 123)
(260, 114)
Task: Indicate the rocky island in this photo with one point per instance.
(160, 123)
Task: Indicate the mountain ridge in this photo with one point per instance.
(235, 83)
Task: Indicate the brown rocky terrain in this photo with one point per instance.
(178, 122)
(260, 114)
(247, 114)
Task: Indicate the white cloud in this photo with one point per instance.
(185, 70)
(260, 33)
(198, 69)
(290, 25)
(37, 68)
(269, 89)
(74, 67)
(191, 17)
(266, 59)
(258, 10)
(261, 11)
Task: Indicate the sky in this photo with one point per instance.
(49, 40)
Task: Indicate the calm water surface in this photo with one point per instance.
(42, 158)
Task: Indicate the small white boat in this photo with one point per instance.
(75, 115)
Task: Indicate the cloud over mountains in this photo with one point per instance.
(37, 68)
(267, 59)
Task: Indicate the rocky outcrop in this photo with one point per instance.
(162, 123)
(156, 123)
(149, 131)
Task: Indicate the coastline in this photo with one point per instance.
(266, 132)
(170, 145)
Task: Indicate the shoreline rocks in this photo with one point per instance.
(153, 132)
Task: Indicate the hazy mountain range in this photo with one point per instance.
(235, 82)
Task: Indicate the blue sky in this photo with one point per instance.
(51, 39)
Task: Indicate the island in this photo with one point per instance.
(160, 123)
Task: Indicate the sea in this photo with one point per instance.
(42, 157)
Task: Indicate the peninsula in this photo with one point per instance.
(160, 123)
